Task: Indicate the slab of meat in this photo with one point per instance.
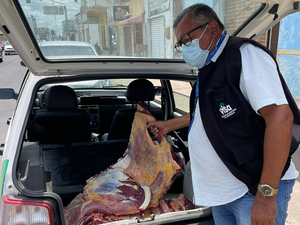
(135, 183)
(153, 166)
(165, 206)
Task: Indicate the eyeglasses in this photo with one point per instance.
(186, 38)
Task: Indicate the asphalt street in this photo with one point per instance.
(11, 76)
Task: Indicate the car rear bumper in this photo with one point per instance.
(10, 51)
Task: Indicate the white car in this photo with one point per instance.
(49, 153)
(66, 48)
(9, 49)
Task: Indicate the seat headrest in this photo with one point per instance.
(140, 90)
(60, 97)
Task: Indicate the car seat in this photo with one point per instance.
(138, 90)
(61, 122)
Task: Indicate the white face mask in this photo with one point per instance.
(193, 55)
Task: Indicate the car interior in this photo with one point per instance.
(75, 133)
(74, 110)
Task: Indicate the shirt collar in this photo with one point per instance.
(220, 50)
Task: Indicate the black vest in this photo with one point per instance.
(234, 129)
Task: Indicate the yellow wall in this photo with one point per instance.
(102, 31)
(102, 19)
(121, 34)
(136, 7)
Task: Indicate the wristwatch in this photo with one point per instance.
(267, 190)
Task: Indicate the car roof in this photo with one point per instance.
(64, 43)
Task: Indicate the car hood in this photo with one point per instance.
(18, 33)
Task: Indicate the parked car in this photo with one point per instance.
(66, 48)
(47, 160)
(2, 44)
(9, 49)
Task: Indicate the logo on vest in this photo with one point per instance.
(226, 111)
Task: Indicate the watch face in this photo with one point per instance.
(265, 190)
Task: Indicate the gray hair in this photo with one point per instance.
(200, 13)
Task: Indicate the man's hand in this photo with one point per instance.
(169, 125)
(263, 210)
(156, 126)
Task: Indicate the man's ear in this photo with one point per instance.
(214, 28)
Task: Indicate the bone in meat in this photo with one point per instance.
(136, 182)
(165, 206)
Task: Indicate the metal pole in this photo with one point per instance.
(67, 23)
(66, 18)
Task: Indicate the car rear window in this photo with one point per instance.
(123, 29)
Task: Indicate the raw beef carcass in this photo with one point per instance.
(165, 206)
(135, 183)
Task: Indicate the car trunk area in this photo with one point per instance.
(59, 153)
(64, 169)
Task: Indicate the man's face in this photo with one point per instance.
(185, 26)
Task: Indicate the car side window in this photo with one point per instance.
(157, 84)
(181, 93)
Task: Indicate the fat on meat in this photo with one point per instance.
(134, 184)
(180, 203)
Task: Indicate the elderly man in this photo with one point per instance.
(240, 123)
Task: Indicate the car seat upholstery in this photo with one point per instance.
(61, 122)
(138, 90)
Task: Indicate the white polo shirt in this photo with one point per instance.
(213, 183)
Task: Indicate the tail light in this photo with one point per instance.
(25, 212)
